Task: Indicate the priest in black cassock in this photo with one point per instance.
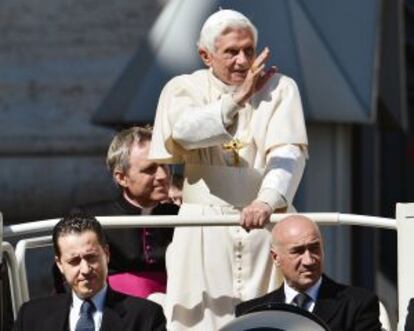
(137, 265)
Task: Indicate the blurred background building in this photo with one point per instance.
(71, 72)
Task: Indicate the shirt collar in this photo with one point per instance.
(98, 299)
(312, 291)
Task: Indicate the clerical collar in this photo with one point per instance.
(98, 299)
(313, 291)
(146, 211)
(131, 209)
(223, 87)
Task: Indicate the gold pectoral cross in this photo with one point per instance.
(234, 146)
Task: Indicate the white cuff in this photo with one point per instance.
(274, 199)
(229, 109)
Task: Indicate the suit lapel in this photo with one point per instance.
(278, 295)
(327, 303)
(58, 317)
(113, 312)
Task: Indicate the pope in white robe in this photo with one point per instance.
(239, 129)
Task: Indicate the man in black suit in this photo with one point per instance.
(82, 255)
(297, 249)
(137, 266)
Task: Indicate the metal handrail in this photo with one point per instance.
(20, 252)
(32, 228)
(175, 221)
(14, 277)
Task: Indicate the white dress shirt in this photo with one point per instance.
(312, 292)
(98, 300)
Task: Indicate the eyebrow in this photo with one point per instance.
(89, 252)
(149, 166)
(311, 244)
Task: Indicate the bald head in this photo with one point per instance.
(292, 226)
(297, 249)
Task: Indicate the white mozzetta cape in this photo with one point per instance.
(277, 117)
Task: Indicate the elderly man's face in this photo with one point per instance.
(299, 253)
(233, 57)
(145, 182)
(83, 262)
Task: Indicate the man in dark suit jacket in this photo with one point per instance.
(297, 249)
(143, 187)
(82, 256)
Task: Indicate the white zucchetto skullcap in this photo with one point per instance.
(221, 20)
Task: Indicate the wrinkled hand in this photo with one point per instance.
(256, 78)
(256, 215)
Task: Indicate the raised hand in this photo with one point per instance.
(256, 78)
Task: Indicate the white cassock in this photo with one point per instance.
(211, 269)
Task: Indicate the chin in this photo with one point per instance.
(238, 79)
(310, 282)
(159, 197)
(85, 293)
(237, 82)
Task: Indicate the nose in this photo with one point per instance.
(162, 173)
(307, 258)
(242, 59)
(84, 267)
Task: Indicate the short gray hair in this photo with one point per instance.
(219, 22)
(117, 158)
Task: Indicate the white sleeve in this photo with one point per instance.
(205, 126)
(284, 170)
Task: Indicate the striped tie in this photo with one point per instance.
(85, 322)
(301, 300)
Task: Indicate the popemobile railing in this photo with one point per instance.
(404, 224)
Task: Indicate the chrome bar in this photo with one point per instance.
(174, 221)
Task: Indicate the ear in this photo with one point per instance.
(59, 264)
(121, 178)
(107, 253)
(275, 257)
(205, 56)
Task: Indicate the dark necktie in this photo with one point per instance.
(301, 300)
(85, 322)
